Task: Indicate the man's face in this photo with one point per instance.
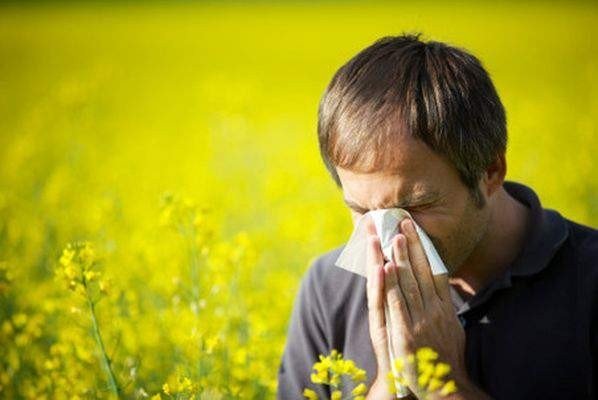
(428, 186)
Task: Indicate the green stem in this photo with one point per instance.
(98, 337)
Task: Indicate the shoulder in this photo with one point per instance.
(583, 245)
(584, 240)
(324, 273)
(321, 267)
(331, 285)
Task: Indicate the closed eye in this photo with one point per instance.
(418, 208)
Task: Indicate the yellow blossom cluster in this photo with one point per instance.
(184, 389)
(330, 370)
(78, 268)
(188, 218)
(430, 374)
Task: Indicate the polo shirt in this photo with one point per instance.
(531, 333)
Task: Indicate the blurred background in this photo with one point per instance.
(161, 191)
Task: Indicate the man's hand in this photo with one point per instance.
(420, 310)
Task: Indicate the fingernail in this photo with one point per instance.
(407, 225)
(400, 239)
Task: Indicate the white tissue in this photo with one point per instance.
(353, 256)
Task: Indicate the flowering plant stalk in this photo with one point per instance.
(77, 267)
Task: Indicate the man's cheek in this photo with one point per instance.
(426, 221)
(438, 230)
(435, 222)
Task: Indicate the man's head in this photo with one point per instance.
(419, 126)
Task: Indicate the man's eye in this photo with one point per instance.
(417, 208)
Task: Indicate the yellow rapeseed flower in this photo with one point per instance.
(424, 354)
(310, 394)
(358, 375)
(359, 389)
(429, 374)
(320, 377)
(330, 369)
(448, 388)
(434, 384)
(184, 384)
(76, 264)
(441, 370)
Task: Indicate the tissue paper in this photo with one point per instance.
(353, 256)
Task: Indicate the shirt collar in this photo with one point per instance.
(546, 233)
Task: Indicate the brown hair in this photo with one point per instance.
(434, 92)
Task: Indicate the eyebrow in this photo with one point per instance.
(407, 201)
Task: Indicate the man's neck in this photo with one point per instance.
(499, 247)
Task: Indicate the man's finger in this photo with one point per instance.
(375, 302)
(373, 254)
(374, 265)
(419, 261)
(406, 278)
(441, 282)
(398, 313)
(369, 225)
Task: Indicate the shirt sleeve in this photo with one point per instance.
(306, 339)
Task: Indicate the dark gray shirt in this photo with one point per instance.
(532, 333)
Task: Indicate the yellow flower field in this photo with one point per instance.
(161, 191)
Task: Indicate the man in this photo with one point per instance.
(419, 125)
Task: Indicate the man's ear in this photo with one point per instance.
(495, 175)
